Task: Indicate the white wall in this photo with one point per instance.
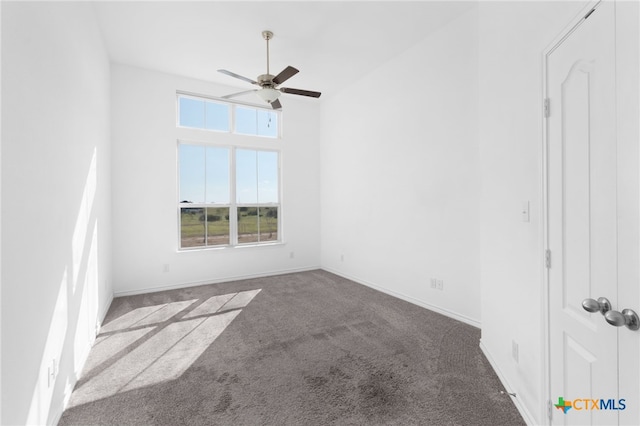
(400, 177)
(145, 233)
(56, 202)
(512, 38)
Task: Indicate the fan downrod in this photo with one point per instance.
(267, 35)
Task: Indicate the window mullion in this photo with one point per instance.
(257, 193)
(233, 206)
(279, 199)
(204, 114)
(232, 119)
(204, 200)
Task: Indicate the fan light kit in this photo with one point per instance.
(269, 85)
(268, 94)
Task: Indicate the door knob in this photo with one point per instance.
(601, 305)
(628, 317)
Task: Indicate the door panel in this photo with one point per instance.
(576, 201)
(578, 364)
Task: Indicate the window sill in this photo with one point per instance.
(237, 247)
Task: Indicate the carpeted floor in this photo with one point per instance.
(308, 348)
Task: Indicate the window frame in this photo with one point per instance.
(233, 105)
(233, 204)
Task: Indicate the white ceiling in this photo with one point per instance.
(332, 43)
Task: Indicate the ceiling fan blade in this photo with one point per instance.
(232, 74)
(276, 104)
(233, 95)
(300, 92)
(285, 75)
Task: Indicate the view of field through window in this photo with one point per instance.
(210, 226)
(204, 226)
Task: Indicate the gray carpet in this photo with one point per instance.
(308, 348)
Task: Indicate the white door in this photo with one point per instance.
(583, 226)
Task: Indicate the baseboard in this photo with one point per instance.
(524, 412)
(409, 299)
(103, 312)
(213, 281)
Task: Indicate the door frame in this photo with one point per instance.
(546, 406)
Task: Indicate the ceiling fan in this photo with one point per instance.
(269, 85)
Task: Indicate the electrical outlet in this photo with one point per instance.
(437, 284)
(342, 258)
(514, 350)
(292, 255)
(52, 372)
(165, 268)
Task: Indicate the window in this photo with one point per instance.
(208, 114)
(204, 186)
(228, 196)
(257, 195)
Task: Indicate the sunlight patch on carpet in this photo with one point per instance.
(154, 344)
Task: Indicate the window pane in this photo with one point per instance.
(268, 223)
(192, 173)
(247, 225)
(253, 121)
(267, 124)
(246, 121)
(217, 175)
(267, 177)
(217, 226)
(191, 113)
(192, 229)
(246, 176)
(217, 116)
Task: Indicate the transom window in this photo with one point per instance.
(211, 114)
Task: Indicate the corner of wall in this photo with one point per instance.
(522, 408)
(399, 186)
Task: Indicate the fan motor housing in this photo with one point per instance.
(265, 80)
